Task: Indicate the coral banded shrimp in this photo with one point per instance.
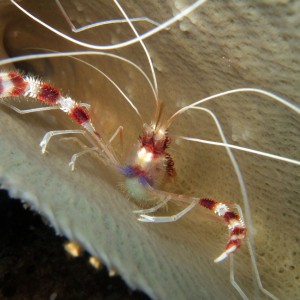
(150, 163)
(143, 172)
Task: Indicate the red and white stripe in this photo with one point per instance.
(234, 222)
(14, 84)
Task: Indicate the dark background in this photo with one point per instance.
(34, 264)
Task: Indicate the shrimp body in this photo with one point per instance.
(149, 164)
(148, 167)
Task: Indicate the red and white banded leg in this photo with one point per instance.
(14, 84)
(235, 224)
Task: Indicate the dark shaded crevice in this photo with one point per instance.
(34, 265)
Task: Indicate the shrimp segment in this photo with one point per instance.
(13, 84)
(234, 222)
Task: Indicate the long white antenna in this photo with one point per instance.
(269, 155)
(144, 47)
(119, 45)
(286, 103)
